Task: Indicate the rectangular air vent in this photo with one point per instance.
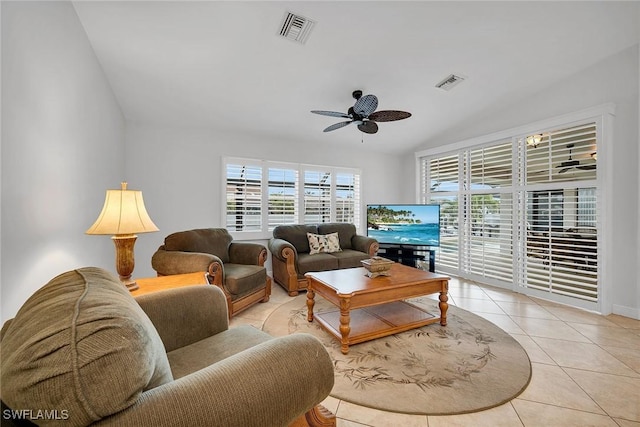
(295, 27)
(449, 82)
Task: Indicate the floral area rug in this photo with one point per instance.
(467, 366)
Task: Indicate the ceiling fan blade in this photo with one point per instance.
(389, 115)
(337, 126)
(368, 127)
(564, 170)
(366, 105)
(568, 164)
(587, 167)
(331, 113)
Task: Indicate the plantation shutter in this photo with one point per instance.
(244, 197)
(490, 212)
(561, 214)
(282, 197)
(442, 187)
(317, 196)
(524, 211)
(347, 196)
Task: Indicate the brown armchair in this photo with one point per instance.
(235, 267)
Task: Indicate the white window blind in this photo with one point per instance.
(523, 210)
(561, 254)
(262, 194)
(561, 213)
(563, 155)
(490, 212)
(244, 197)
(442, 176)
(317, 196)
(347, 198)
(282, 197)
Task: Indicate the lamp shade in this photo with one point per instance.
(123, 213)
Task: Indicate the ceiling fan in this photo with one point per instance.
(364, 114)
(571, 163)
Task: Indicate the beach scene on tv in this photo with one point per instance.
(417, 225)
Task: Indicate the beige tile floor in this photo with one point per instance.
(586, 367)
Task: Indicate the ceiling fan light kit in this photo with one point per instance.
(363, 113)
(534, 140)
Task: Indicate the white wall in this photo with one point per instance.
(62, 147)
(178, 170)
(614, 80)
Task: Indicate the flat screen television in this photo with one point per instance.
(405, 225)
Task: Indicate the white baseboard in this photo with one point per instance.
(631, 312)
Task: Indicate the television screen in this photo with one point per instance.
(416, 225)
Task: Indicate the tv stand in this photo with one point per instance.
(408, 255)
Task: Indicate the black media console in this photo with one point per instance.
(408, 255)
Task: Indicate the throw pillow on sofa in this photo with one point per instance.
(327, 243)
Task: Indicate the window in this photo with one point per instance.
(317, 197)
(546, 210)
(522, 210)
(348, 198)
(261, 195)
(282, 196)
(244, 197)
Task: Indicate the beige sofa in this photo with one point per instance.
(292, 258)
(82, 351)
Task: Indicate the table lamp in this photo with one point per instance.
(123, 215)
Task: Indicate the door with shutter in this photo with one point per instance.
(522, 213)
(560, 210)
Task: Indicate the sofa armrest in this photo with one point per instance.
(365, 244)
(251, 388)
(247, 253)
(166, 263)
(283, 250)
(186, 315)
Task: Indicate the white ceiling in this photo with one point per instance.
(221, 64)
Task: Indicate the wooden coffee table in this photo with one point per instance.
(374, 308)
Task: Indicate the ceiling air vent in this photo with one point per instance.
(449, 82)
(295, 27)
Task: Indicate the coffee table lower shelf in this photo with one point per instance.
(376, 321)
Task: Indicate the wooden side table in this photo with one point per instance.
(154, 284)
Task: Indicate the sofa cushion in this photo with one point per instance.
(345, 231)
(349, 258)
(241, 279)
(82, 344)
(327, 243)
(213, 349)
(214, 241)
(316, 262)
(296, 235)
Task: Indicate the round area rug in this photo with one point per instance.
(467, 366)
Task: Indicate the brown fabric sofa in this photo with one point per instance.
(236, 267)
(82, 351)
(291, 257)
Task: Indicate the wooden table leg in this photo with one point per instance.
(310, 303)
(345, 328)
(443, 307)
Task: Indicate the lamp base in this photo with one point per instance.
(130, 284)
(124, 259)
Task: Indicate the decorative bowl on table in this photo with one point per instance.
(377, 266)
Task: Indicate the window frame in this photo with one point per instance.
(603, 116)
(266, 229)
